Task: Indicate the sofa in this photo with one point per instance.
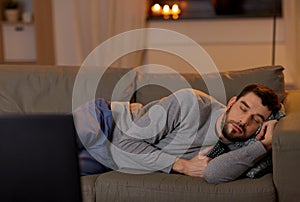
(49, 89)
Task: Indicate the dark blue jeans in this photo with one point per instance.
(89, 165)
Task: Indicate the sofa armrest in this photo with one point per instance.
(286, 150)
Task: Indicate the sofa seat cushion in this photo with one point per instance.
(116, 186)
(88, 188)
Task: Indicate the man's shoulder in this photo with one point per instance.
(188, 92)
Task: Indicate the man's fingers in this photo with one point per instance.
(261, 133)
(267, 125)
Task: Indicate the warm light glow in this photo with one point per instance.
(166, 9)
(156, 9)
(175, 9)
(175, 17)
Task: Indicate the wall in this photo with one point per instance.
(232, 43)
(65, 53)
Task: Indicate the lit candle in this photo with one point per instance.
(175, 9)
(166, 9)
(156, 9)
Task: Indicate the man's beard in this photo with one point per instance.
(231, 136)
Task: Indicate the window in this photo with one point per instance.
(206, 9)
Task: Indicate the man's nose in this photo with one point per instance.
(244, 120)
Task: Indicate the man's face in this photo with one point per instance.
(243, 117)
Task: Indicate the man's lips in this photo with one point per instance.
(237, 128)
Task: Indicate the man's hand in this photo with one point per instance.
(266, 134)
(193, 167)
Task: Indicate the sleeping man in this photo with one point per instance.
(177, 133)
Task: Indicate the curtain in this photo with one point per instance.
(97, 20)
(291, 12)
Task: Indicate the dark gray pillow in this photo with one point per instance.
(161, 85)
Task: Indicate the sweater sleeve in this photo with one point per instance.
(138, 143)
(229, 166)
(151, 141)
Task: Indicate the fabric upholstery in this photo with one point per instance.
(161, 85)
(48, 89)
(116, 186)
(88, 188)
(286, 151)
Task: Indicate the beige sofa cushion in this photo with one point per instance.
(234, 81)
(116, 186)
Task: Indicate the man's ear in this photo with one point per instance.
(231, 101)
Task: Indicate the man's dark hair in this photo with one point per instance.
(268, 97)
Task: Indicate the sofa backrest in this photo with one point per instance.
(161, 85)
(48, 89)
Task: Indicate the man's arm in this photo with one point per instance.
(162, 134)
(192, 167)
(138, 142)
(231, 165)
